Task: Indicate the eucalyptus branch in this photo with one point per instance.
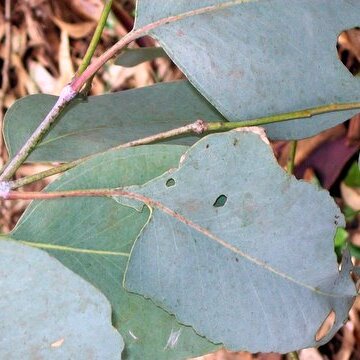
(26, 180)
(295, 115)
(71, 90)
(39, 195)
(198, 127)
(291, 161)
(79, 81)
(66, 96)
(96, 38)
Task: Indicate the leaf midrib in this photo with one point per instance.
(151, 203)
(199, 11)
(73, 249)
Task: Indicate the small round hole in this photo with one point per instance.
(170, 182)
(326, 326)
(220, 201)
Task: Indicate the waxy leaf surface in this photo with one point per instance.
(93, 237)
(239, 249)
(48, 312)
(253, 58)
(133, 57)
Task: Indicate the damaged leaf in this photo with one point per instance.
(93, 237)
(239, 249)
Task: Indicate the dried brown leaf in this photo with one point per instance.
(310, 354)
(42, 78)
(353, 134)
(226, 355)
(75, 31)
(25, 84)
(65, 63)
(351, 196)
(350, 40)
(307, 146)
(86, 9)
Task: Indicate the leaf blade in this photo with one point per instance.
(223, 48)
(234, 261)
(77, 316)
(97, 238)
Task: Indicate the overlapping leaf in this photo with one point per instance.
(133, 57)
(104, 121)
(48, 312)
(93, 237)
(239, 249)
(252, 58)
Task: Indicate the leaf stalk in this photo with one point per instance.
(291, 160)
(96, 38)
(198, 127)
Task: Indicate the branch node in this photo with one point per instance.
(199, 127)
(4, 189)
(67, 94)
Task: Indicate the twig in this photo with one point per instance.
(291, 160)
(26, 180)
(65, 97)
(198, 127)
(38, 195)
(79, 81)
(96, 38)
(71, 90)
(301, 114)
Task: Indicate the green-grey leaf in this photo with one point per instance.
(48, 312)
(133, 57)
(93, 237)
(252, 58)
(101, 122)
(241, 250)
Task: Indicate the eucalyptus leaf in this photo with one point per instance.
(48, 312)
(133, 57)
(93, 237)
(239, 249)
(253, 58)
(104, 121)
